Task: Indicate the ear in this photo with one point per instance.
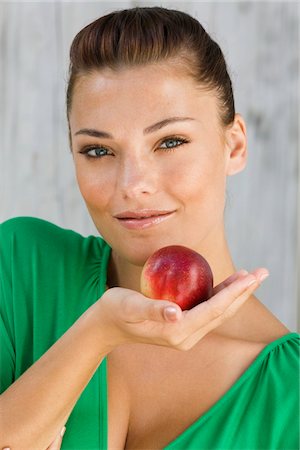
(236, 146)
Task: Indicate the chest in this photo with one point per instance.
(156, 393)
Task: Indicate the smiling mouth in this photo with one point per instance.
(135, 220)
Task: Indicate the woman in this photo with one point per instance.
(154, 135)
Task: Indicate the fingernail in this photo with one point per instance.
(171, 312)
(243, 272)
(6, 448)
(263, 276)
(251, 280)
(63, 431)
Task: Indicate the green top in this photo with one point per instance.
(49, 276)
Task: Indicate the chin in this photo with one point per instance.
(135, 256)
(138, 253)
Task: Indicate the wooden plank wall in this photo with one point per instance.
(261, 43)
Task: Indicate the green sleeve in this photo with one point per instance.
(48, 277)
(7, 352)
(7, 357)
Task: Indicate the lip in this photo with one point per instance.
(141, 219)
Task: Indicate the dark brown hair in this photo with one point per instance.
(140, 36)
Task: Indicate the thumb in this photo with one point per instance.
(161, 311)
(56, 444)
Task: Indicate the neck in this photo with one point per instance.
(123, 273)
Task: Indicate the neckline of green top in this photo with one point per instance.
(246, 374)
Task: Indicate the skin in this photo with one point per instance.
(138, 173)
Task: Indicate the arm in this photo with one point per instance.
(35, 407)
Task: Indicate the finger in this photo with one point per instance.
(219, 309)
(258, 273)
(56, 444)
(161, 311)
(138, 308)
(218, 304)
(229, 280)
(261, 274)
(214, 307)
(232, 309)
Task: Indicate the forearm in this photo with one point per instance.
(36, 406)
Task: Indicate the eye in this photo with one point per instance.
(95, 152)
(172, 142)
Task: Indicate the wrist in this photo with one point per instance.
(100, 329)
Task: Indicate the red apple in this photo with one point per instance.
(178, 274)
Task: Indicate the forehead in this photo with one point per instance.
(157, 90)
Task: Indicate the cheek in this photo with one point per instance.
(199, 179)
(94, 189)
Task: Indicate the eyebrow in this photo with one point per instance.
(157, 126)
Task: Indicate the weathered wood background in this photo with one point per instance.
(261, 43)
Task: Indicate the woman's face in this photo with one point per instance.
(147, 185)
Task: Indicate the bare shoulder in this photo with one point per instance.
(254, 324)
(266, 326)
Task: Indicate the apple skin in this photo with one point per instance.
(178, 274)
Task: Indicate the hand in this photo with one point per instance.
(128, 316)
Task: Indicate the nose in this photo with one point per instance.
(137, 177)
